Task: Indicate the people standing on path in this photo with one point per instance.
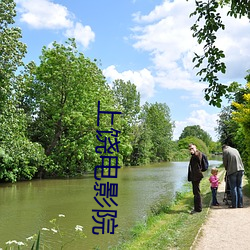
(235, 169)
(195, 175)
(214, 181)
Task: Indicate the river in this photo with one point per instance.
(27, 207)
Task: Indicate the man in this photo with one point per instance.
(195, 175)
(235, 169)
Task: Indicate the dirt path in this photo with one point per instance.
(225, 228)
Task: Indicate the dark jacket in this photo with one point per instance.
(194, 168)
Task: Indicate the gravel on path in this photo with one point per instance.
(225, 228)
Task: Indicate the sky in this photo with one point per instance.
(147, 42)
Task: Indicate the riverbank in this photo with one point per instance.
(171, 227)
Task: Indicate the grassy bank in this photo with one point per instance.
(170, 227)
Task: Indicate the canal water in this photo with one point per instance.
(27, 207)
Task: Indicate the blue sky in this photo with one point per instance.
(148, 42)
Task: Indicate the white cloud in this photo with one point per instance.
(44, 14)
(165, 33)
(159, 12)
(143, 80)
(198, 117)
(234, 41)
(83, 34)
(168, 38)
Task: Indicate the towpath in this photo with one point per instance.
(225, 228)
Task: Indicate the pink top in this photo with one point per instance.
(214, 181)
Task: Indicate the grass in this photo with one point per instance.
(246, 188)
(170, 226)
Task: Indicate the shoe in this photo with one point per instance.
(217, 204)
(231, 207)
(194, 212)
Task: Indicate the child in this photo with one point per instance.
(214, 185)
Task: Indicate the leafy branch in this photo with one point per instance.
(210, 63)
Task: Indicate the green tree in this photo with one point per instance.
(227, 127)
(241, 115)
(183, 144)
(12, 50)
(207, 25)
(232, 128)
(142, 145)
(215, 148)
(20, 158)
(157, 122)
(128, 98)
(63, 92)
(196, 131)
(229, 130)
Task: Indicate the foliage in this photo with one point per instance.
(201, 146)
(36, 243)
(142, 145)
(233, 126)
(48, 112)
(237, 8)
(20, 157)
(157, 122)
(196, 131)
(12, 50)
(63, 94)
(215, 148)
(128, 99)
(241, 115)
(181, 155)
(227, 127)
(205, 28)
